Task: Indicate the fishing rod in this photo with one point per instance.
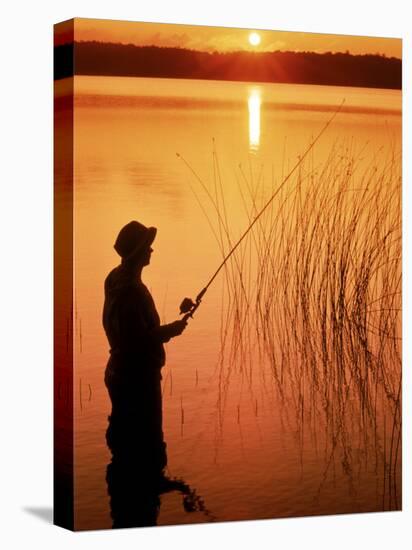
(188, 306)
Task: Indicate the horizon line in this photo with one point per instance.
(226, 52)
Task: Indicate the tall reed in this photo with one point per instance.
(314, 292)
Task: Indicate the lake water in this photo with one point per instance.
(250, 457)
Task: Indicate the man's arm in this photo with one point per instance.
(165, 332)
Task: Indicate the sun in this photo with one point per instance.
(254, 39)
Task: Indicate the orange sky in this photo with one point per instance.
(228, 39)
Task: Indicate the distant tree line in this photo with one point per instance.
(339, 69)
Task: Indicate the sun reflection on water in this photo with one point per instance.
(254, 103)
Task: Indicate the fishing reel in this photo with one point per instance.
(188, 306)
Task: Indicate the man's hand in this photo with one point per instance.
(177, 327)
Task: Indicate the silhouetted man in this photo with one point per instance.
(135, 476)
(137, 355)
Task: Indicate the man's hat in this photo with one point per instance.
(133, 238)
